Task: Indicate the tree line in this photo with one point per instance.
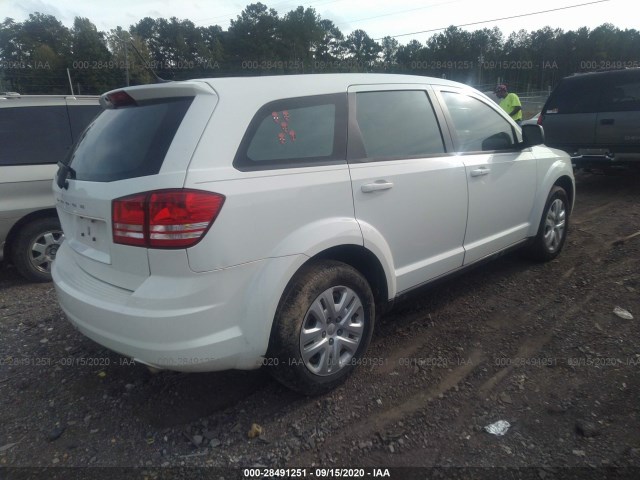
(40, 55)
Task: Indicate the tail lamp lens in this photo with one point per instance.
(164, 218)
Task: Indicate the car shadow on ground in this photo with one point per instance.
(167, 399)
(172, 398)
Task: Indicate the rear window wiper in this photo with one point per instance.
(65, 172)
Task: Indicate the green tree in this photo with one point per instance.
(487, 42)
(605, 42)
(390, 48)
(254, 35)
(213, 38)
(92, 65)
(362, 49)
(573, 48)
(451, 45)
(300, 31)
(126, 48)
(11, 50)
(38, 51)
(40, 29)
(544, 51)
(330, 46)
(410, 54)
(629, 45)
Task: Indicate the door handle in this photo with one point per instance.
(478, 172)
(607, 121)
(374, 187)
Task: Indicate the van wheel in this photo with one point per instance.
(322, 328)
(552, 231)
(35, 247)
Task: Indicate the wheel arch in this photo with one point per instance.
(358, 257)
(559, 173)
(327, 269)
(367, 263)
(567, 184)
(19, 225)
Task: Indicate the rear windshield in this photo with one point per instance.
(574, 95)
(80, 116)
(128, 142)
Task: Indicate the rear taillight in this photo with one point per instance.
(164, 218)
(539, 122)
(129, 218)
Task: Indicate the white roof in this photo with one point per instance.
(281, 86)
(315, 84)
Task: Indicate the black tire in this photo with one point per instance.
(34, 248)
(285, 356)
(542, 249)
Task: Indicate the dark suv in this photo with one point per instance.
(595, 117)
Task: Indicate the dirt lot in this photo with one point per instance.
(536, 345)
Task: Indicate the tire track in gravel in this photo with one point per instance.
(592, 214)
(413, 404)
(530, 346)
(420, 399)
(595, 248)
(590, 248)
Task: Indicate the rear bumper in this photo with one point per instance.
(187, 322)
(593, 159)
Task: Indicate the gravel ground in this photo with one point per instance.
(536, 345)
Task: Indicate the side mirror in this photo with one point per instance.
(532, 135)
(499, 141)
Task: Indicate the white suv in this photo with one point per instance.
(232, 223)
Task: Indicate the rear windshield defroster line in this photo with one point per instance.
(128, 142)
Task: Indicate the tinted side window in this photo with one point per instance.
(33, 135)
(294, 132)
(477, 126)
(80, 116)
(574, 96)
(128, 142)
(622, 97)
(398, 124)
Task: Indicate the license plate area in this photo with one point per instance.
(91, 238)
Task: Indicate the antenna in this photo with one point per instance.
(148, 67)
(70, 84)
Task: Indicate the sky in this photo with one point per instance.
(378, 18)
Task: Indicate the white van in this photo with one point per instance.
(36, 132)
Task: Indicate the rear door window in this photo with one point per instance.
(128, 142)
(398, 124)
(34, 135)
(621, 97)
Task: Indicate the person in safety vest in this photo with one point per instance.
(510, 103)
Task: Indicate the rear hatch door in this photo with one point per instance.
(569, 115)
(143, 140)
